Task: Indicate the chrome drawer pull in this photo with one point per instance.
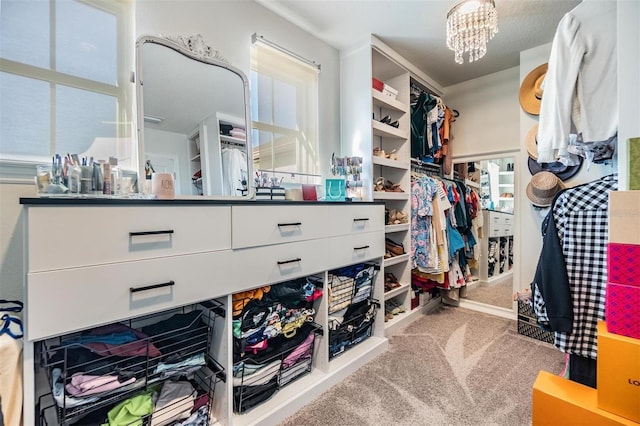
(361, 248)
(290, 224)
(151, 287)
(360, 219)
(136, 234)
(283, 262)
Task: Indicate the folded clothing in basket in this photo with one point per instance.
(179, 335)
(174, 402)
(277, 347)
(248, 376)
(85, 384)
(247, 397)
(115, 339)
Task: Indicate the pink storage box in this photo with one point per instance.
(623, 264)
(622, 310)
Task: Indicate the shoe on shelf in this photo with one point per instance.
(388, 316)
(392, 187)
(390, 282)
(393, 247)
(392, 155)
(386, 119)
(378, 152)
(401, 217)
(396, 307)
(394, 124)
(378, 185)
(391, 308)
(391, 217)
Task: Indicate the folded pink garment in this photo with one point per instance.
(303, 351)
(84, 384)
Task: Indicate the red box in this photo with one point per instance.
(622, 310)
(623, 266)
(377, 84)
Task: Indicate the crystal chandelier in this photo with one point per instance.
(470, 25)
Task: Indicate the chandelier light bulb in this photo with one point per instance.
(470, 25)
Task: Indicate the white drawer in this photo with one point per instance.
(63, 237)
(496, 231)
(508, 219)
(261, 225)
(501, 231)
(271, 264)
(346, 220)
(496, 218)
(355, 248)
(74, 299)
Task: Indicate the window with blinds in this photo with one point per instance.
(284, 111)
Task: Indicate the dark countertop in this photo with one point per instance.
(110, 201)
(497, 211)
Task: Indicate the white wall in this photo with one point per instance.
(488, 109)
(175, 146)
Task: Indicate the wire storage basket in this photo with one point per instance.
(274, 337)
(159, 363)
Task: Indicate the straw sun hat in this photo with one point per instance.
(532, 143)
(543, 187)
(531, 90)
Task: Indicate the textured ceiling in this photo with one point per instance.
(416, 29)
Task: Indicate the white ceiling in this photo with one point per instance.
(416, 29)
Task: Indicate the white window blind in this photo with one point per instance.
(284, 110)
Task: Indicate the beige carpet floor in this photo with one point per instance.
(451, 367)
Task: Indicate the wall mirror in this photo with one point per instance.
(494, 180)
(193, 117)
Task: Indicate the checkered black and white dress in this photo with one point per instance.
(581, 215)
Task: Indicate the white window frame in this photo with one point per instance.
(16, 168)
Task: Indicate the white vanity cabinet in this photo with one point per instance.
(91, 263)
(496, 246)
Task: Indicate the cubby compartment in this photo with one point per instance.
(262, 372)
(351, 307)
(274, 335)
(351, 326)
(160, 364)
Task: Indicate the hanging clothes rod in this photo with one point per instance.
(256, 37)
